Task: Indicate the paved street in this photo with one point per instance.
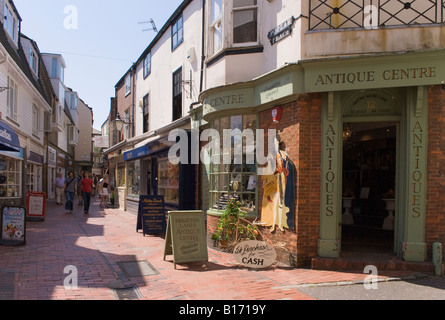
(110, 261)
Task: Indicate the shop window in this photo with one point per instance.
(231, 179)
(10, 178)
(121, 177)
(134, 179)
(168, 181)
(33, 177)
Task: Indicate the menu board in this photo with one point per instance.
(13, 226)
(186, 237)
(36, 205)
(151, 215)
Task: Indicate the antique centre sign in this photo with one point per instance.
(373, 72)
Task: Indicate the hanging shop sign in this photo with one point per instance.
(186, 237)
(151, 215)
(36, 206)
(13, 226)
(255, 254)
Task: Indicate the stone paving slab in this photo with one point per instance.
(90, 249)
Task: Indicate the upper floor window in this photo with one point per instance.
(35, 120)
(145, 106)
(216, 26)
(245, 21)
(33, 60)
(12, 99)
(127, 84)
(177, 94)
(147, 65)
(11, 24)
(54, 68)
(177, 32)
(73, 101)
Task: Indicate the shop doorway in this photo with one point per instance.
(369, 186)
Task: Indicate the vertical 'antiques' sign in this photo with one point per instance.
(255, 254)
(186, 237)
(151, 215)
(13, 224)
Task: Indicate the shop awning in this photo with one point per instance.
(9, 140)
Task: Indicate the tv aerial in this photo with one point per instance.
(153, 25)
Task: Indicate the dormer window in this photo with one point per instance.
(10, 24)
(33, 60)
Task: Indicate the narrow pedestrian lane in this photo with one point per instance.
(100, 256)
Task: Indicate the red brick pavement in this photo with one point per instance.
(97, 242)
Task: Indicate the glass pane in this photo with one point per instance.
(249, 182)
(223, 183)
(217, 37)
(216, 10)
(245, 26)
(248, 202)
(236, 182)
(244, 3)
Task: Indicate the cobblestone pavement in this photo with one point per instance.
(95, 248)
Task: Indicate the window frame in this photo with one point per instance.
(127, 85)
(12, 111)
(175, 31)
(177, 96)
(36, 120)
(33, 60)
(232, 27)
(146, 66)
(146, 113)
(213, 25)
(216, 175)
(9, 14)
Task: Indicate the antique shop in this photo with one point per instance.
(363, 137)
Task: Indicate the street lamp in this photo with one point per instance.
(119, 123)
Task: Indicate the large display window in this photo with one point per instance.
(134, 179)
(10, 177)
(168, 181)
(230, 179)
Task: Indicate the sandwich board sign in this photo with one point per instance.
(151, 215)
(186, 237)
(13, 226)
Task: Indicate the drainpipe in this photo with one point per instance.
(437, 258)
(202, 45)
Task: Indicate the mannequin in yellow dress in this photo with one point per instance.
(274, 210)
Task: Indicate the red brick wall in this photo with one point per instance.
(300, 129)
(435, 216)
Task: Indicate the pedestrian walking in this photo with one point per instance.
(104, 191)
(87, 185)
(79, 188)
(70, 190)
(59, 184)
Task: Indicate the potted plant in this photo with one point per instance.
(232, 227)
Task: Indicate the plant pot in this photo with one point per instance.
(224, 243)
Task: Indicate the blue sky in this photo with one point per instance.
(108, 38)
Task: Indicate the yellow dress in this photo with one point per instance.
(273, 197)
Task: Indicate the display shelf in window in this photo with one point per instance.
(10, 178)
